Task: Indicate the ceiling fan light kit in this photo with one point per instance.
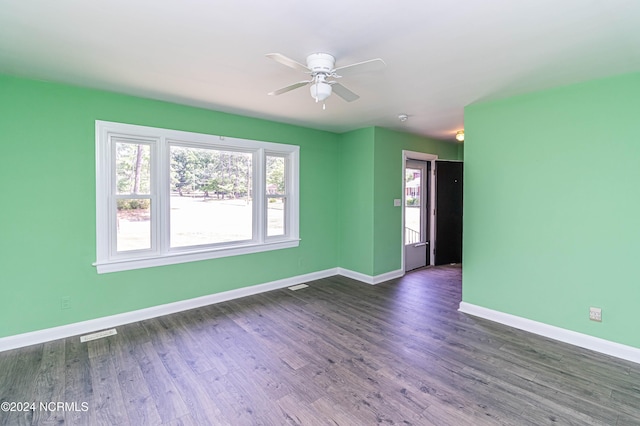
(320, 91)
(321, 67)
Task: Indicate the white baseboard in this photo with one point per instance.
(370, 279)
(90, 326)
(607, 347)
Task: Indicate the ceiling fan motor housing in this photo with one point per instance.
(320, 63)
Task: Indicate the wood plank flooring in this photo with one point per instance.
(336, 353)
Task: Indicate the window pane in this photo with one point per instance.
(132, 168)
(210, 196)
(133, 224)
(412, 216)
(276, 175)
(275, 216)
(276, 189)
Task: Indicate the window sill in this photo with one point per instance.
(191, 256)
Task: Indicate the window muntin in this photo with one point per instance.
(166, 196)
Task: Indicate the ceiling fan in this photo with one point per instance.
(321, 67)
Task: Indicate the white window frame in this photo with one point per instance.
(160, 253)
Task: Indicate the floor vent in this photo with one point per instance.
(298, 287)
(98, 335)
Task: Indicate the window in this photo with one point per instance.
(166, 196)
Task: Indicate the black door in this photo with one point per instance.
(448, 212)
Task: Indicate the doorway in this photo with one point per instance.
(417, 209)
(432, 210)
(416, 217)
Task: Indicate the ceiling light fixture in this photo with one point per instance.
(460, 135)
(320, 90)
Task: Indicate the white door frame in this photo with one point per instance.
(431, 158)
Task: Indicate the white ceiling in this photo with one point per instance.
(441, 54)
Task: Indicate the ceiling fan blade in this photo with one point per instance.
(278, 57)
(289, 88)
(366, 66)
(344, 93)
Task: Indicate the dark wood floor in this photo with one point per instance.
(338, 352)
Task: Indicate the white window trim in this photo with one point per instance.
(160, 253)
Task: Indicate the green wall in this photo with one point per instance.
(47, 226)
(552, 211)
(356, 200)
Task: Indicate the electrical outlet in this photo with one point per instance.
(65, 302)
(595, 314)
